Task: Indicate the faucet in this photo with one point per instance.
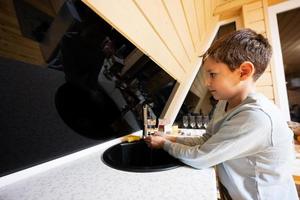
(145, 115)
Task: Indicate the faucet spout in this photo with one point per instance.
(145, 115)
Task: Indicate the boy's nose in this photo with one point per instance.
(207, 82)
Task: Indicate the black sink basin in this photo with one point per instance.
(138, 157)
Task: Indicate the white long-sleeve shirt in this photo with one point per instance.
(252, 147)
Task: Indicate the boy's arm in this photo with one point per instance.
(246, 133)
(193, 141)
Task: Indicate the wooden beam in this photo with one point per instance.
(273, 2)
(230, 14)
(132, 58)
(43, 6)
(296, 179)
(231, 6)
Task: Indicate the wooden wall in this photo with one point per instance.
(255, 17)
(13, 44)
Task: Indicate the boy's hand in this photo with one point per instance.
(155, 142)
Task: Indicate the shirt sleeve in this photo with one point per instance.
(192, 141)
(245, 133)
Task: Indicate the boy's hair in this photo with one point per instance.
(239, 46)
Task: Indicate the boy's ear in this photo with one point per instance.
(246, 70)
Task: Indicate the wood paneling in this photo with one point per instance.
(159, 19)
(191, 18)
(266, 90)
(44, 6)
(176, 13)
(131, 59)
(57, 4)
(224, 6)
(258, 26)
(273, 2)
(12, 44)
(255, 17)
(265, 79)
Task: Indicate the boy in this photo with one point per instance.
(247, 139)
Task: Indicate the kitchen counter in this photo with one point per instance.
(83, 175)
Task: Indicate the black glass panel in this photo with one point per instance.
(85, 95)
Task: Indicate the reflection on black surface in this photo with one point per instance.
(88, 98)
(92, 56)
(89, 114)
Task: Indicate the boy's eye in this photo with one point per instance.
(212, 75)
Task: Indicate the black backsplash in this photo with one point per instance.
(31, 129)
(81, 99)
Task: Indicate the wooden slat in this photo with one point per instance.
(21, 57)
(131, 59)
(195, 90)
(258, 26)
(231, 6)
(273, 2)
(296, 179)
(157, 15)
(174, 8)
(44, 6)
(190, 16)
(254, 5)
(265, 79)
(256, 15)
(268, 68)
(266, 90)
(229, 15)
(19, 49)
(9, 29)
(221, 2)
(18, 40)
(7, 7)
(200, 13)
(247, 12)
(9, 21)
(57, 4)
(12, 44)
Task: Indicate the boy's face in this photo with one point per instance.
(220, 81)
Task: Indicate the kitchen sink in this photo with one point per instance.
(138, 157)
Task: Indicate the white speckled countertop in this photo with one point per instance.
(85, 176)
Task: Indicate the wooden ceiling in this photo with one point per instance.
(289, 31)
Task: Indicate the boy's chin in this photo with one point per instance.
(216, 97)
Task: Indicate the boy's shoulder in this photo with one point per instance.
(259, 105)
(258, 100)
